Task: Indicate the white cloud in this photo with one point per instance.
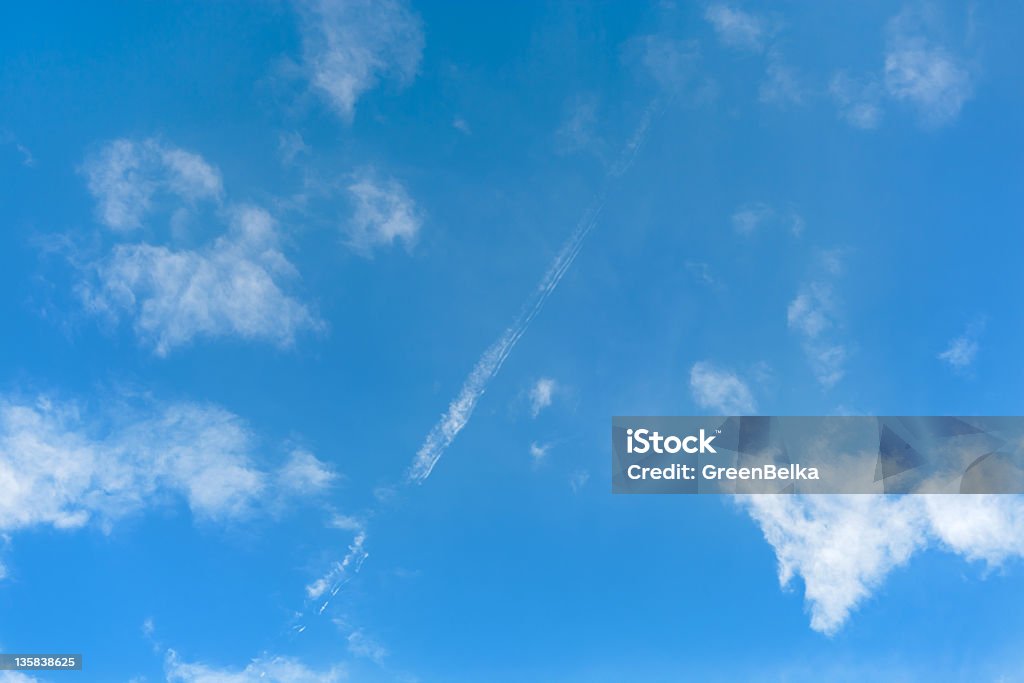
(8, 138)
(781, 85)
(64, 467)
(578, 479)
(538, 451)
(349, 46)
(962, 350)
(672, 63)
(843, 547)
(126, 176)
(265, 669)
(230, 287)
(701, 272)
(720, 390)
(748, 218)
(858, 100)
(737, 28)
(541, 395)
(361, 645)
(304, 473)
(813, 314)
(382, 212)
(290, 145)
(578, 131)
(922, 73)
(812, 310)
(16, 677)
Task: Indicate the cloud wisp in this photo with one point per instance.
(962, 350)
(720, 390)
(350, 46)
(126, 177)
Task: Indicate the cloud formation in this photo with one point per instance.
(720, 390)
(813, 315)
(541, 394)
(962, 350)
(264, 669)
(917, 71)
(383, 213)
(858, 99)
(843, 547)
(350, 46)
(737, 28)
(126, 177)
(66, 467)
(924, 74)
(231, 287)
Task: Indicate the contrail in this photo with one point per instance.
(461, 408)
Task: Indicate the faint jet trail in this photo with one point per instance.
(461, 408)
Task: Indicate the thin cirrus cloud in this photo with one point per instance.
(232, 286)
(813, 315)
(962, 350)
(737, 28)
(924, 74)
(382, 213)
(263, 669)
(77, 467)
(843, 547)
(917, 71)
(350, 46)
(720, 390)
(126, 177)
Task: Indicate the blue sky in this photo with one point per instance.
(316, 315)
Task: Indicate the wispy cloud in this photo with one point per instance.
(362, 645)
(843, 547)
(541, 394)
(8, 138)
(349, 46)
(539, 451)
(917, 71)
(754, 217)
(75, 466)
(962, 350)
(737, 28)
(383, 212)
(781, 84)
(263, 669)
(231, 287)
(923, 73)
(858, 99)
(813, 314)
(720, 390)
(126, 177)
(578, 479)
(701, 272)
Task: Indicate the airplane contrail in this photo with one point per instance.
(487, 367)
